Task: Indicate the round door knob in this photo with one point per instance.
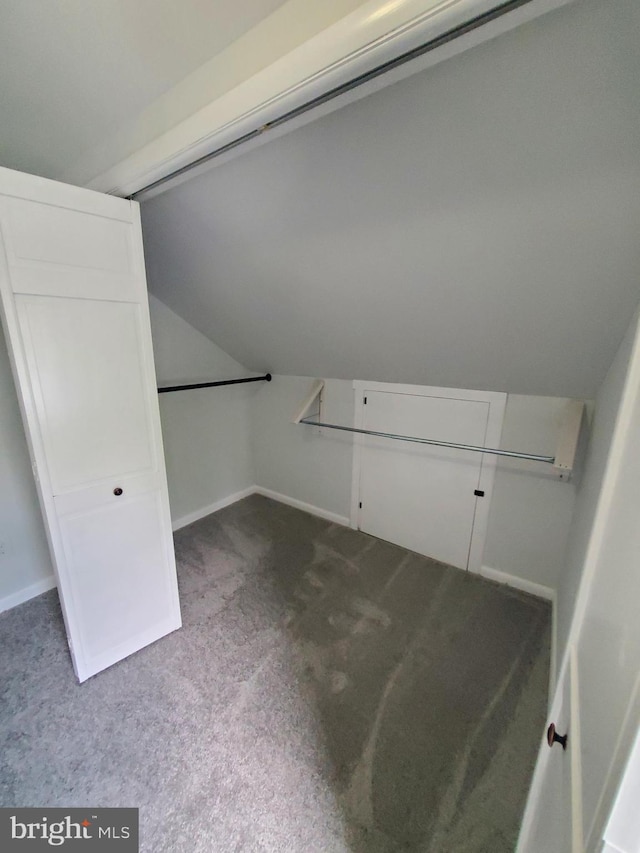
(554, 737)
(117, 492)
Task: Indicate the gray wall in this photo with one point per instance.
(531, 508)
(206, 432)
(300, 461)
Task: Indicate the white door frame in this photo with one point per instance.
(497, 402)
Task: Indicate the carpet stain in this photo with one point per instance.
(338, 682)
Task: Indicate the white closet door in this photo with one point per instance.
(603, 648)
(76, 315)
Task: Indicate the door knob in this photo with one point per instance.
(554, 737)
(117, 492)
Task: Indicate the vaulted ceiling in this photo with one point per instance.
(73, 73)
(475, 225)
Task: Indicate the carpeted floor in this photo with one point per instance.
(328, 692)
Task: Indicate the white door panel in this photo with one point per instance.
(54, 250)
(106, 492)
(444, 418)
(56, 235)
(87, 372)
(75, 311)
(420, 496)
(118, 573)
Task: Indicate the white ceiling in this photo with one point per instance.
(74, 71)
(475, 225)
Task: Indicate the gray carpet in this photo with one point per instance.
(328, 692)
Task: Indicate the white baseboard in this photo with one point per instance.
(214, 507)
(305, 507)
(519, 583)
(28, 592)
(267, 493)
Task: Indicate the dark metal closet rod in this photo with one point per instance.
(167, 388)
(514, 454)
(456, 32)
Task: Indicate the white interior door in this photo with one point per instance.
(76, 315)
(607, 636)
(603, 648)
(419, 496)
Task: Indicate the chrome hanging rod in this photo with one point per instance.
(513, 454)
(166, 388)
(343, 88)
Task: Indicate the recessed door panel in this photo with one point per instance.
(57, 250)
(86, 367)
(119, 574)
(55, 235)
(420, 496)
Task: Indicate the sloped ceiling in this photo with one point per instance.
(74, 72)
(476, 225)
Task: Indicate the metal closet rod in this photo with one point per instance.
(167, 388)
(513, 454)
(449, 36)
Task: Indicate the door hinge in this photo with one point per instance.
(360, 504)
(365, 401)
(478, 493)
